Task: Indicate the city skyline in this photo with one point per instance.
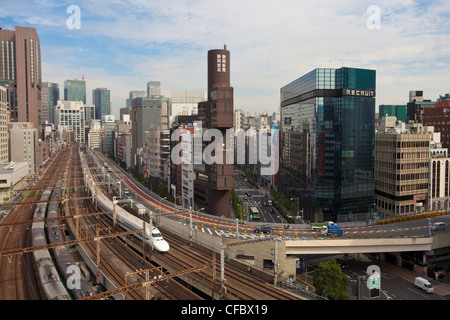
(121, 45)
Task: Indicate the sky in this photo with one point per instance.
(123, 44)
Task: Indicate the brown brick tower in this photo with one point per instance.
(217, 112)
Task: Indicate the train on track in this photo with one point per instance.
(49, 279)
(65, 262)
(130, 222)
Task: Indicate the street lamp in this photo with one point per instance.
(298, 206)
(190, 224)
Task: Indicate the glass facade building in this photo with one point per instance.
(327, 137)
(398, 111)
(101, 98)
(75, 90)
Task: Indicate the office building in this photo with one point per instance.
(20, 73)
(185, 103)
(145, 116)
(214, 181)
(402, 159)
(24, 144)
(109, 127)
(4, 157)
(135, 94)
(75, 90)
(398, 111)
(239, 119)
(153, 89)
(12, 176)
(439, 118)
(416, 106)
(102, 101)
(49, 99)
(69, 117)
(330, 117)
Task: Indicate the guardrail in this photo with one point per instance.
(413, 217)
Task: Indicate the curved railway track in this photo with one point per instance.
(239, 285)
(129, 262)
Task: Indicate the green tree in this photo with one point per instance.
(330, 281)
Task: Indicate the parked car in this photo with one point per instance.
(263, 229)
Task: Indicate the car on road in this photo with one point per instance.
(263, 229)
(248, 194)
(343, 264)
(438, 226)
(271, 210)
(265, 204)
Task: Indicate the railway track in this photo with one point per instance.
(18, 280)
(239, 285)
(114, 249)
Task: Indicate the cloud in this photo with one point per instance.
(125, 43)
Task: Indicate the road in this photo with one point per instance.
(251, 196)
(396, 283)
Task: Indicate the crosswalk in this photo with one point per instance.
(249, 235)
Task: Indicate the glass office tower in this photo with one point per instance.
(101, 98)
(75, 90)
(327, 138)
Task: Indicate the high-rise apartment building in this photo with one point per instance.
(49, 99)
(329, 115)
(215, 180)
(75, 90)
(20, 73)
(101, 99)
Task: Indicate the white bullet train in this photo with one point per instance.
(130, 222)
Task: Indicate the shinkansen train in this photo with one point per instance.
(130, 222)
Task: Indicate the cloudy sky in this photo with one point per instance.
(122, 44)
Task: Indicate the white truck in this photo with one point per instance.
(423, 284)
(317, 226)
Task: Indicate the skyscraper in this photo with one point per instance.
(329, 117)
(75, 90)
(153, 88)
(3, 126)
(20, 73)
(102, 101)
(213, 189)
(69, 116)
(49, 99)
